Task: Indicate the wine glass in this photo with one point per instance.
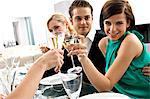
(72, 40)
(3, 86)
(72, 83)
(9, 72)
(15, 65)
(57, 40)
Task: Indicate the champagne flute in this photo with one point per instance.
(72, 40)
(72, 84)
(57, 40)
(15, 66)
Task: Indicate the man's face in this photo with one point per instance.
(82, 20)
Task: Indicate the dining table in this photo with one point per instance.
(55, 90)
(47, 90)
(58, 91)
(105, 95)
(27, 53)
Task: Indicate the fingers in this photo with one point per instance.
(78, 52)
(59, 65)
(81, 37)
(76, 49)
(53, 58)
(44, 49)
(147, 74)
(59, 62)
(77, 46)
(146, 71)
(61, 51)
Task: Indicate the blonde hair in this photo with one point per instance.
(62, 18)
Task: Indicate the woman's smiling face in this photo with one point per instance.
(56, 27)
(115, 26)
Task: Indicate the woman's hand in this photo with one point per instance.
(146, 70)
(52, 58)
(44, 49)
(79, 48)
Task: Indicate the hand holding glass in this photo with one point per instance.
(72, 40)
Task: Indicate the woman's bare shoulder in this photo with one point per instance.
(131, 42)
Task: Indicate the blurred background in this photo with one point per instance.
(23, 22)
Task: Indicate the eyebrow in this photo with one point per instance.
(115, 21)
(83, 16)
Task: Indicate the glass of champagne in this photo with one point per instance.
(57, 40)
(72, 83)
(72, 40)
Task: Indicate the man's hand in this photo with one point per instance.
(146, 70)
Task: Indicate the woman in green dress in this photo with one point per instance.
(125, 53)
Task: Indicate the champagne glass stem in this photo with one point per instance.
(72, 61)
(13, 80)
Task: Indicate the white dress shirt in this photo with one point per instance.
(89, 39)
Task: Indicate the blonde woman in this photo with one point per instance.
(56, 24)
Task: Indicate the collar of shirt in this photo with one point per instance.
(89, 39)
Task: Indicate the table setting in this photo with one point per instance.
(105, 95)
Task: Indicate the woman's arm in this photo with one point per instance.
(124, 57)
(26, 89)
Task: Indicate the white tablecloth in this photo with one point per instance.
(28, 53)
(105, 95)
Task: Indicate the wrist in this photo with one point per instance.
(41, 64)
(82, 57)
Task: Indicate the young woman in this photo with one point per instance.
(56, 24)
(124, 51)
(27, 88)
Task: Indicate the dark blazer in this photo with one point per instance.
(95, 55)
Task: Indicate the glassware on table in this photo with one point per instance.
(9, 72)
(72, 83)
(3, 87)
(39, 92)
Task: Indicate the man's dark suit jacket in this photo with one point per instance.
(95, 56)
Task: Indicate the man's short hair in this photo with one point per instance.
(79, 3)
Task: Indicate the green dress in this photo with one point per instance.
(133, 83)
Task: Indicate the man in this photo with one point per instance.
(81, 16)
